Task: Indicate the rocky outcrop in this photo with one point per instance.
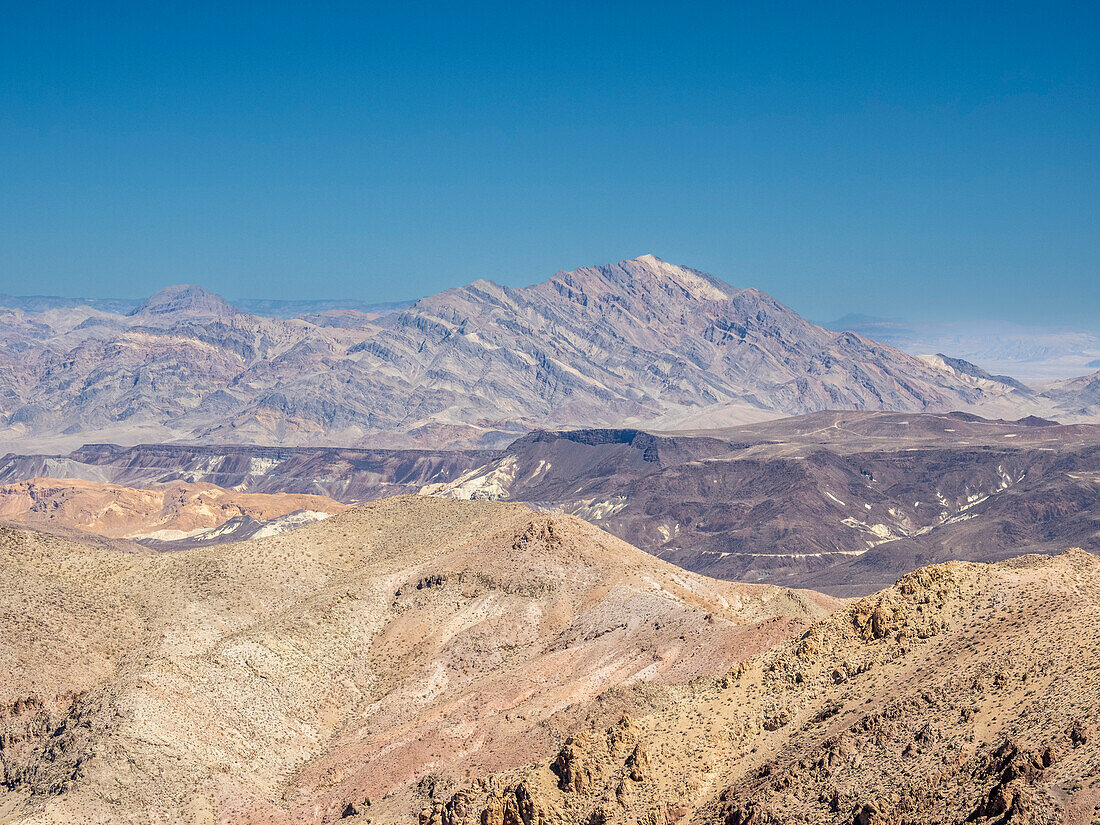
(584, 764)
(513, 805)
(962, 694)
(45, 740)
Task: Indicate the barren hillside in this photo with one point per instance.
(174, 514)
(387, 652)
(967, 692)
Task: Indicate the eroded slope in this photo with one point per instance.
(164, 515)
(966, 692)
(398, 646)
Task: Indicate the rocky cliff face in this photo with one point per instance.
(637, 342)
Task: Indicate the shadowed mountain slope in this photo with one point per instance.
(839, 502)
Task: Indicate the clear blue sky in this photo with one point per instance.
(914, 160)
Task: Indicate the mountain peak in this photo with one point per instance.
(188, 299)
(649, 274)
(698, 284)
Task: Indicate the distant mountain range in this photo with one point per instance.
(638, 343)
(258, 306)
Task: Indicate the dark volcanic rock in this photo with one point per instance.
(841, 502)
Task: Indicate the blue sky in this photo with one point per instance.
(915, 160)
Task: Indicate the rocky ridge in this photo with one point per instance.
(964, 693)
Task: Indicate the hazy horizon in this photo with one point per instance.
(856, 319)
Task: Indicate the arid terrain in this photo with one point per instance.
(965, 693)
(638, 343)
(424, 660)
(176, 514)
(842, 502)
(388, 651)
(362, 461)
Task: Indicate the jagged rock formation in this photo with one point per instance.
(640, 342)
(966, 693)
(364, 662)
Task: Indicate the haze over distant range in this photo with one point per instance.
(1029, 352)
(641, 342)
(843, 159)
(1025, 351)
